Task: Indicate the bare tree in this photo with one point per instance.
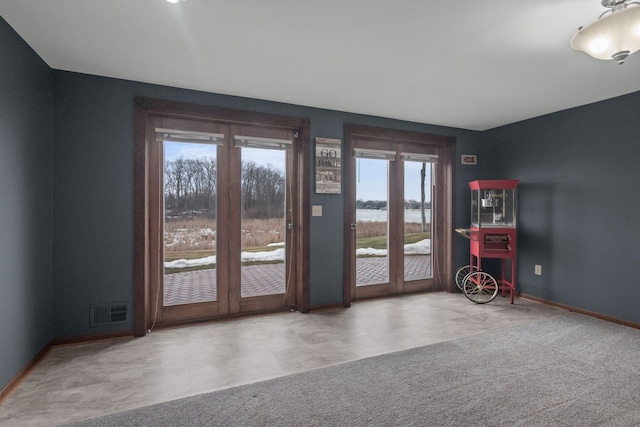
(190, 186)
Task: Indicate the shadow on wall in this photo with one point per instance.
(535, 238)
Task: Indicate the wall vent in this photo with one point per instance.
(108, 314)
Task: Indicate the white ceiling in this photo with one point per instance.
(469, 64)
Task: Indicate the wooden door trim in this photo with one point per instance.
(443, 198)
(302, 203)
(144, 110)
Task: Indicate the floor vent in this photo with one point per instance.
(108, 314)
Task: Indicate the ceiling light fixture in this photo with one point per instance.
(614, 36)
(173, 1)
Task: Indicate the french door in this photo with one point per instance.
(398, 204)
(223, 219)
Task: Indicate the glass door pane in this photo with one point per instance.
(372, 219)
(417, 220)
(189, 223)
(263, 232)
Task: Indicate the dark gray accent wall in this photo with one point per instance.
(25, 203)
(579, 203)
(93, 191)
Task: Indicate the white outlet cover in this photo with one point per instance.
(316, 210)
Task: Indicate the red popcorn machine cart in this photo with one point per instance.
(492, 235)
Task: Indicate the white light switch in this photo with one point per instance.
(316, 210)
(537, 270)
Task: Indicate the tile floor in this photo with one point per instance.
(89, 380)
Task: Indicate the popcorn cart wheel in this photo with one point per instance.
(461, 274)
(478, 286)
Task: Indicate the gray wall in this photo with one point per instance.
(579, 203)
(25, 203)
(93, 191)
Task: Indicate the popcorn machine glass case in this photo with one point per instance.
(493, 203)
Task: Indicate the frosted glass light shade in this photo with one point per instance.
(615, 33)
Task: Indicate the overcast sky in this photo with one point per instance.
(371, 179)
(371, 175)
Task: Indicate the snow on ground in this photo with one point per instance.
(422, 247)
(419, 248)
(184, 263)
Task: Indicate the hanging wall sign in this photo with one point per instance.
(328, 166)
(469, 159)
